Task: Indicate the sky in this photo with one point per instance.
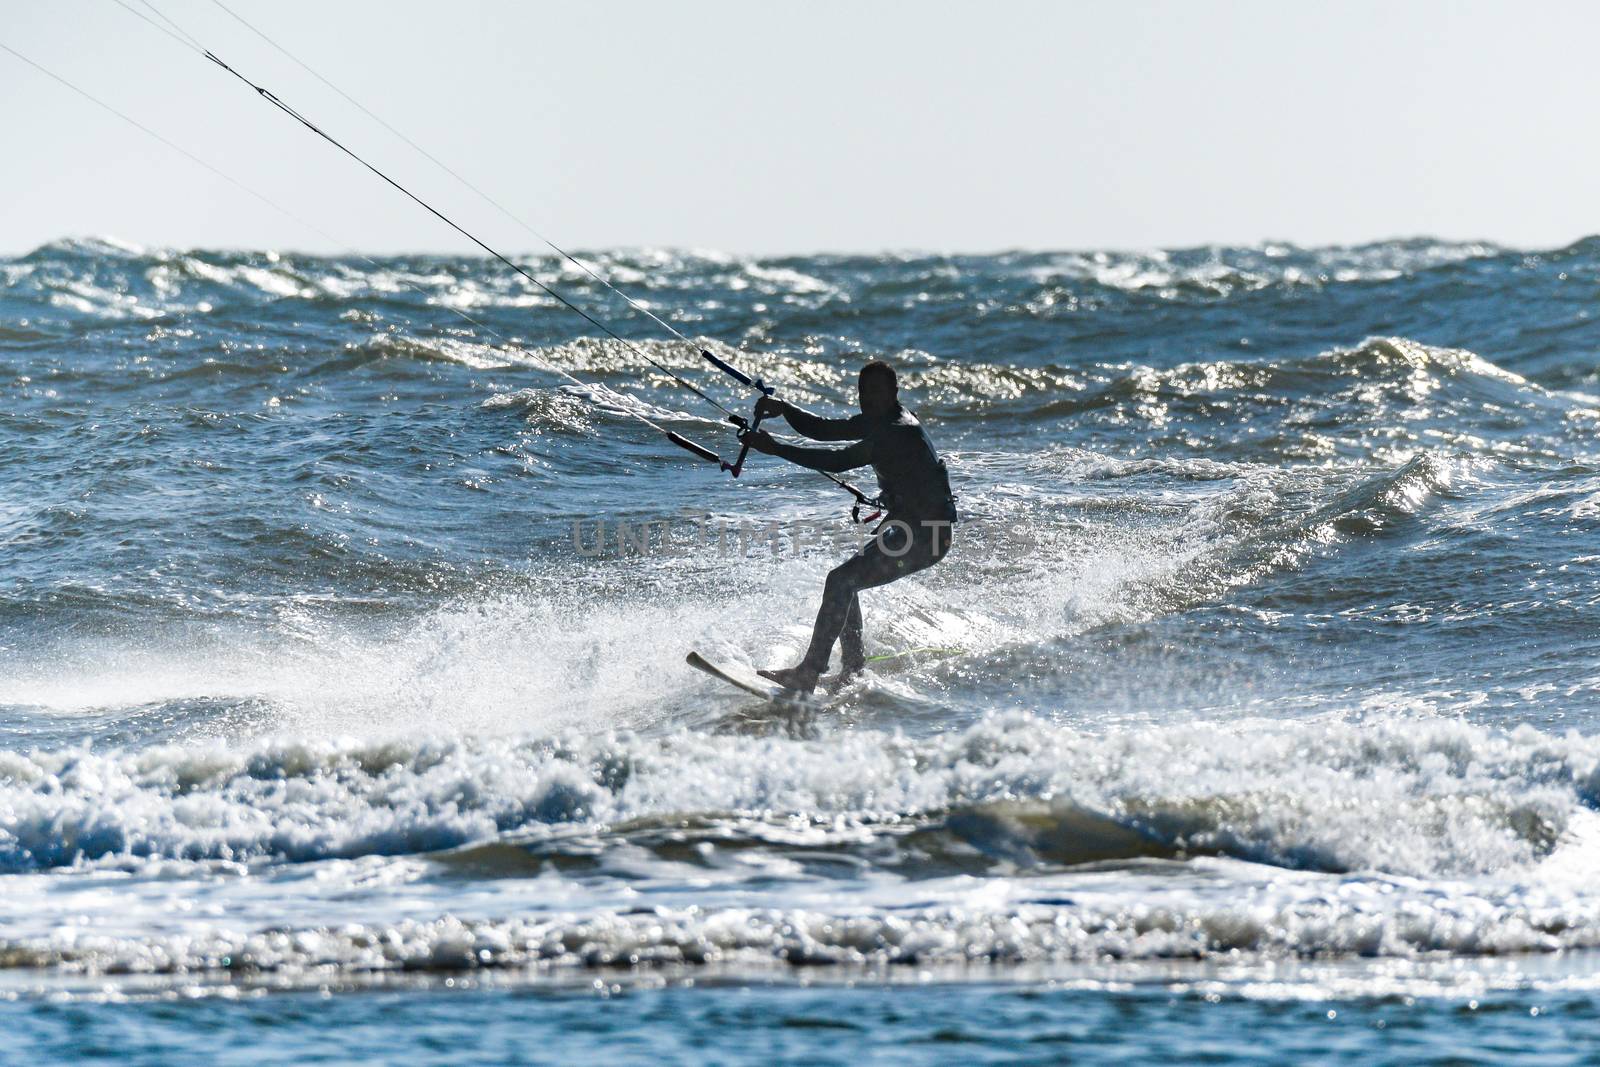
(759, 127)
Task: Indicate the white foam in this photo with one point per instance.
(1415, 797)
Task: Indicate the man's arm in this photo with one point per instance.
(832, 460)
(815, 426)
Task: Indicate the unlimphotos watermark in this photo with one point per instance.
(696, 533)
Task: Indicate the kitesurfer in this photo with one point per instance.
(914, 487)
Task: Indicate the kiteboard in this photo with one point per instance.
(751, 682)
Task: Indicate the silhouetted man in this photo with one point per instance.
(919, 509)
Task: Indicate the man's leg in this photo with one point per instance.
(862, 571)
(876, 564)
(852, 655)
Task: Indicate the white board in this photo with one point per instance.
(752, 683)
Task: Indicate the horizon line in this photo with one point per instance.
(709, 252)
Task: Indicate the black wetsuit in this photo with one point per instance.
(919, 515)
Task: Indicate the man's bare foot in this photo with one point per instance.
(800, 678)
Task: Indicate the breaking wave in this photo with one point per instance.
(1413, 797)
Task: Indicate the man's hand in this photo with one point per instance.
(759, 441)
(771, 406)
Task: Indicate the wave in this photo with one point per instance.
(567, 409)
(1251, 844)
(693, 285)
(1238, 924)
(1412, 797)
(1384, 400)
(86, 247)
(1215, 272)
(191, 281)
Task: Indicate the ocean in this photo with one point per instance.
(344, 717)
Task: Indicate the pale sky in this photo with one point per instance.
(828, 125)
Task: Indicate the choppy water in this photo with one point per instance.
(1278, 592)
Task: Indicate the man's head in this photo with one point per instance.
(880, 393)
